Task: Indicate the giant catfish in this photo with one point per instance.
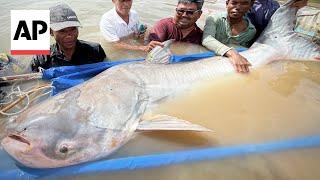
(92, 120)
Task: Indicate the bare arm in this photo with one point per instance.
(146, 48)
(240, 63)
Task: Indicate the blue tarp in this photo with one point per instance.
(67, 76)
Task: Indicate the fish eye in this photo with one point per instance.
(64, 149)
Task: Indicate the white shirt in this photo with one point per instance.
(113, 27)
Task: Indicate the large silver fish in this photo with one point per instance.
(92, 120)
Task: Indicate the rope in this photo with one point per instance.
(22, 95)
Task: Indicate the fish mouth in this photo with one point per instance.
(19, 138)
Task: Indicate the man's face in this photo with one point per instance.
(123, 6)
(66, 38)
(237, 8)
(186, 15)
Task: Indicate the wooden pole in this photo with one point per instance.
(21, 77)
(11, 105)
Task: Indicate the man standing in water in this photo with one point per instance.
(67, 50)
(222, 31)
(182, 27)
(120, 22)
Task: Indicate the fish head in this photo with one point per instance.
(72, 127)
(46, 142)
(59, 135)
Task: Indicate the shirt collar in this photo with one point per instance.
(250, 25)
(119, 19)
(55, 51)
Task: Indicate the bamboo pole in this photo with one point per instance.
(11, 105)
(21, 77)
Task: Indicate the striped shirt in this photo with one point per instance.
(113, 27)
(217, 34)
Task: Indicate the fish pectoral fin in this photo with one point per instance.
(169, 123)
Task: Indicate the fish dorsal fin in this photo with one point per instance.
(169, 123)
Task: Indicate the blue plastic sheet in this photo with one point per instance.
(68, 76)
(158, 160)
(65, 77)
(197, 56)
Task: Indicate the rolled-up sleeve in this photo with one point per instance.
(209, 40)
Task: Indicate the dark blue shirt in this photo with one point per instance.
(85, 53)
(261, 12)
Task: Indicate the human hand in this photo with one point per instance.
(152, 45)
(139, 36)
(299, 4)
(4, 58)
(142, 28)
(240, 63)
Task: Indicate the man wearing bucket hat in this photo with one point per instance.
(67, 50)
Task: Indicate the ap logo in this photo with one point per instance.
(30, 32)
